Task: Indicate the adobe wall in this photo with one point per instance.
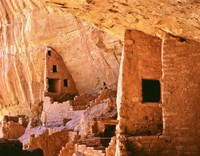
(150, 146)
(141, 60)
(11, 130)
(180, 90)
(181, 94)
(52, 58)
(50, 141)
(54, 113)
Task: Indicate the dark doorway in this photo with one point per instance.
(151, 90)
(54, 68)
(54, 85)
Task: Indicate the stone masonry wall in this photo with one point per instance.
(181, 98)
(54, 113)
(11, 130)
(50, 141)
(141, 60)
(58, 89)
(149, 146)
(180, 102)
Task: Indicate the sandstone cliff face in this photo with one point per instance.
(178, 17)
(27, 27)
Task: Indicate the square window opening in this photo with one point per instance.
(65, 83)
(54, 68)
(150, 90)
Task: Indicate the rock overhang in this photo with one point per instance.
(177, 17)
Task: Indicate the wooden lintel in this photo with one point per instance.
(109, 122)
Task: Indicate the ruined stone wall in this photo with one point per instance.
(50, 141)
(11, 130)
(181, 88)
(58, 82)
(141, 60)
(54, 113)
(88, 151)
(149, 145)
(111, 149)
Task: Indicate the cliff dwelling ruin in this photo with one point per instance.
(58, 84)
(99, 78)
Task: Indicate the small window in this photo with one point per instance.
(54, 69)
(65, 83)
(151, 90)
(49, 52)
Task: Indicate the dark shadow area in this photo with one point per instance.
(107, 135)
(14, 148)
(53, 85)
(150, 90)
(49, 52)
(65, 83)
(54, 68)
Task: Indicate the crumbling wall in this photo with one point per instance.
(50, 141)
(88, 151)
(141, 60)
(11, 130)
(149, 145)
(12, 127)
(111, 149)
(69, 148)
(54, 113)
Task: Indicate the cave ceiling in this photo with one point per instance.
(177, 17)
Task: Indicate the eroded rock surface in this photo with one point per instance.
(27, 27)
(178, 17)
